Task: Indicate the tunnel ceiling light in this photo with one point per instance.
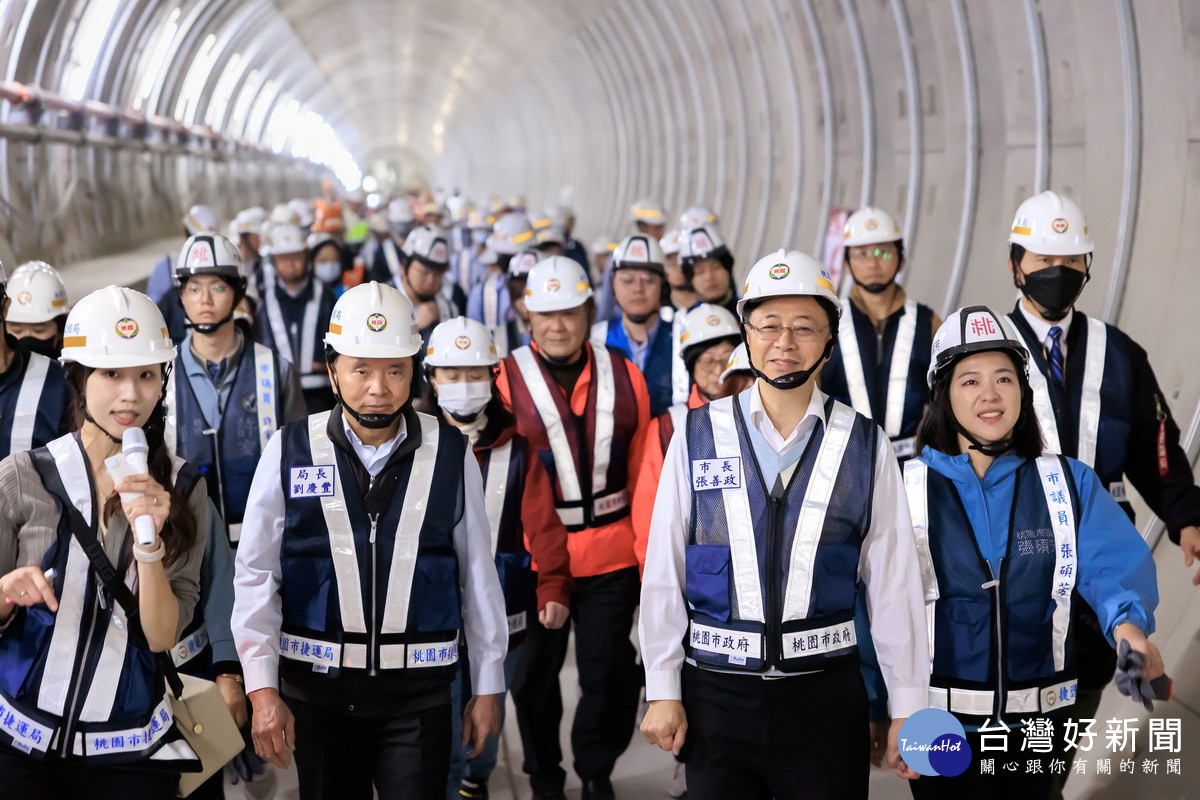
(153, 69)
(370, 184)
(197, 76)
(223, 92)
(438, 128)
(90, 33)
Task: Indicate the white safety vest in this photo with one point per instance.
(309, 377)
(28, 397)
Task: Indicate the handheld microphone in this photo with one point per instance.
(136, 451)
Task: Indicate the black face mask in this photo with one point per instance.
(793, 380)
(1055, 289)
(50, 348)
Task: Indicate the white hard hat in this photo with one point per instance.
(517, 203)
(1051, 225)
(400, 211)
(707, 322)
(649, 211)
(738, 362)
(373, 320)
(116, 327)
(428, 245)
(487, 257)
(37, 293)
(209, 254)
(669, 242)
(702, 243)
(553, 215)
(603, 245)
(697, 216)
(870, 226)
(250, 221)
(787, 274)
(458, 205)
(550, 234)
(200, 219)
(556, 283)
(318, 238)
(287, 239)
(511, 234)
(478, 220)
(639, 251)
(524, 261)
(461, 342)
(973, 329)
(303, 211)
(282, 214)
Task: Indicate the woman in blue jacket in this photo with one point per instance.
(1009, 539)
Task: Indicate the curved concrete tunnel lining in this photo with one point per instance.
(774, 112)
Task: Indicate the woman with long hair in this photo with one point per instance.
(1010, 538)
(85, 711)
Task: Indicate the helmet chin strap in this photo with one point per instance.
(207, 328)
(992, 449)
(792, 380)
(371, 421)
(872, 288)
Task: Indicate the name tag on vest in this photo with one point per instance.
(315, 481)
(821, 640)
(716, 473)
(737, 645)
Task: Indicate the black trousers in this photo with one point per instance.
(602, 609)
(342, 756)
(805, 736)
(23, 778)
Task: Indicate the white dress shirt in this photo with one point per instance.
(887, 566)
(1041, 328)
(258, 607)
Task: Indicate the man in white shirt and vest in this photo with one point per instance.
(365, 561)
(879, 365)
(773, 505)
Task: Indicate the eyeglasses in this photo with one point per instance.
(886, 254)
(215, 289)
(800, 333)
(710, 364)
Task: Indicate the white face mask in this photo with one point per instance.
(328, 271)
(464, 399)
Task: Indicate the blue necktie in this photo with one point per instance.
(1054, 354)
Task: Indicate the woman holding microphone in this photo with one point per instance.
(82, 691)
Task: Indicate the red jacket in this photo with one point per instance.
(604, 548)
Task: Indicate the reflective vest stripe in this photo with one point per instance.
(738, 521)
(898, 373)
(1089, 403)
(811, 522)
(606, 398)
(916, 487)
(102, 693)
(897, 386)
(981, 703)
(308, 334)
(599, 334)
(170, 403)
(681, 381)
(189, 647)
(856, 381)
(564, 461)
(341, 532)
(393, 260)
(60, 660)
(491, 305)
(264, 387)
(1062, 521)
(496, 487)
(25, 413)
(408, 530)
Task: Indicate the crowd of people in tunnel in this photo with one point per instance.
(398, 454)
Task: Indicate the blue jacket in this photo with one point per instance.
(657, 368)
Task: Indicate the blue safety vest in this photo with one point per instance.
(252, 413)
(772, 576)
(370, 593)
(504, 467)
(81, 682)
(660, 359)
(33, 398)
(884, 377)
(1003, 645)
